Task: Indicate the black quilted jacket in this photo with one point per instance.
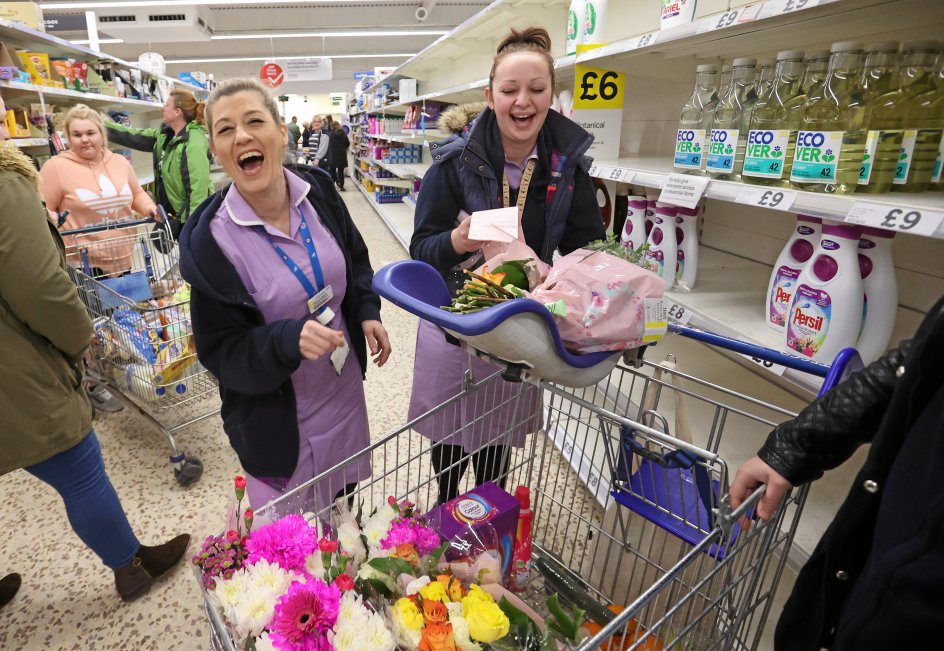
(876, 579)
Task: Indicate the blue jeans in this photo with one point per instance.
(78, 475)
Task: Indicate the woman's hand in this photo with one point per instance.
(317, 340)
(377, 341)
(751, 475)
(154, 213)
(460, 238)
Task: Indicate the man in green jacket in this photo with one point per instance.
(180, 152)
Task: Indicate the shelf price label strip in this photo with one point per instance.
(917, 220)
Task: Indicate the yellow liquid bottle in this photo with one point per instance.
(880, 87)
(691, 139)
(727, 134)
(834, 128)
(922, 128)
(772, 129)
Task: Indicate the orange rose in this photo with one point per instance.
(407, 553)
(435, 612)
(453, 586)
(438, 637)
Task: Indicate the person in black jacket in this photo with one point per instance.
(875, 579)
(338, 144)
(281, 291)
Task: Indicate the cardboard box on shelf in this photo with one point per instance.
(37, 65)
(17, 123)
(28, 13)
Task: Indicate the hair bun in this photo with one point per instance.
(534, 36)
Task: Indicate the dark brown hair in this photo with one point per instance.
(531, 39)
(188, 104)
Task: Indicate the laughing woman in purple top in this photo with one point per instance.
(281, 294)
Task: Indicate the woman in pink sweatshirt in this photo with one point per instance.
(96, 186)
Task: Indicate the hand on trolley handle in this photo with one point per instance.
(753, 473)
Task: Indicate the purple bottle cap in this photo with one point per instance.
(656, 236)
(865, 266)
(679, 235)
(825, 268)
(842, 230)
(639, 203)
(801, 250)
(649, 226)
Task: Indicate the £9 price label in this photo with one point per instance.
(917, 220)
(595, 88)
(767, 198)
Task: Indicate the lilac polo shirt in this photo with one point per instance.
(514, 171)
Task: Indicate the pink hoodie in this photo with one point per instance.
(93, 193)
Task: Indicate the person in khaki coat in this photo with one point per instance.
(47, 431)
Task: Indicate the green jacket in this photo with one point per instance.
(181, 163)
(44, 328)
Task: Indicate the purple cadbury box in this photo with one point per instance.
(486, 504)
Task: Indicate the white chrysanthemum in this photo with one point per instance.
(269, 577)
(253, 613)
(314, 565)
(414, 586)
(226, 594)
(351, 611)
(263, 643)
(460, 628)
(376, 636)
(377, 525)
(349, 537)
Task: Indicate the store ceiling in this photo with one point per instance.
(256, 30)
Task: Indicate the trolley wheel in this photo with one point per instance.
(189, 472)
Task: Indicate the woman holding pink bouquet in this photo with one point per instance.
(517, 152)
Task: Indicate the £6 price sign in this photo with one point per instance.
(598, 108)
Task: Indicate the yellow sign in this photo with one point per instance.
(595, 88)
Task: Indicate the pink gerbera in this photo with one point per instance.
(304, 615)
(288, 542)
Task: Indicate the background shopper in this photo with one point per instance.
(257, 255)
(47, 429)
(516, 137)
(317, 144)
(337, 154)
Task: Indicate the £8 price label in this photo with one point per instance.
(598, 89)
(680, 314)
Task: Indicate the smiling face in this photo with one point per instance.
(247, 142)
(521, 95)
(85, 139)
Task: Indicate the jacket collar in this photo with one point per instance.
(13, 160)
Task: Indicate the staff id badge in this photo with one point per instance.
(339, 356)
(320, 299)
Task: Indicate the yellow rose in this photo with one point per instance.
(476, 594)
(408, 614)
(435, 591)
(487, 622)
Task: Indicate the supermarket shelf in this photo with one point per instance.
(651, 172)
(397, 216)
(87, 98)
(394, 183)
(29, 142)
(410, 137)
(402, 170)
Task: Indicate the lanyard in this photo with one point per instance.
(310, 290)
(522, 191)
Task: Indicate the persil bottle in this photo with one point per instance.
(686, 235)
(634, 228)
(662, 254)
(826, 310)
(880, 303)
(798, 249)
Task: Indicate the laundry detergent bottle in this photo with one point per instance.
(797, 251)
(686, 235)
(826, 310)
(662, 254)
(634, 228)
(880, 302)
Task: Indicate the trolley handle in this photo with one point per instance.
(745, 348)
(98, 228)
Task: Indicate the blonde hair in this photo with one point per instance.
(188, 104)
(532, 39)
(239, 85)
(83, 112)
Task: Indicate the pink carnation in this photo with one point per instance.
(426, 540)
(408, 532)
(287, 542)
(304, 615)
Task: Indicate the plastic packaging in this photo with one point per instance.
(594, 18)
(575, 20)
(783, 281)
(677, 12)
(880, 87)
(521, 566)
(826, 311)
(662, 255)
(634, 232)
(880, 289)
(686, 234)
(728, 133)
(691, 139)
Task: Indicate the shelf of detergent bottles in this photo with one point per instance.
(919, 214)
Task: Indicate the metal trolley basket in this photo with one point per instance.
(663, 543)
(142, 349)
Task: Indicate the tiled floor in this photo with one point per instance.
(68, 600)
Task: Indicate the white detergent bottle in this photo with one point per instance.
(826, 311)
(652, 198)
(662, 253)
(798, 249)
(575, 19)
(686, 235)
(593, 20)
(880, 300)
(634, 228)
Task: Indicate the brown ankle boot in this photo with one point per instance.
(8, 587)
(135, 579)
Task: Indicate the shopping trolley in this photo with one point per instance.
(625, 513)
(127, 275)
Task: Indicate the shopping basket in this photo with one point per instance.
(142, 347)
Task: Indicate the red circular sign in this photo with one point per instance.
(272, 75)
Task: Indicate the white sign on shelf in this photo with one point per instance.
(776, 7)
(604, 171)
(772, 367)
(646, 40)
(721, 21)
(921, 221)
(627, 176)
(683, 190)
(308, 69)
(766, 198)
(679, 313)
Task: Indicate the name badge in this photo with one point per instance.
(320, 299)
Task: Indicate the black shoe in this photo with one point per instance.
(9, 585)
(150, 563)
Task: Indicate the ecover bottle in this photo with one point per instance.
(826, 310)
(924, 118)
(662, 254)
(727, 134)
(834, 128)
(691, 137)
(783, 280)
(768, 153)
(887, 102)
(880, 292)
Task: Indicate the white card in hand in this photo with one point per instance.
(339, 356)
(499, 225)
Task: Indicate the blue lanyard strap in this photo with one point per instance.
(310, 289)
